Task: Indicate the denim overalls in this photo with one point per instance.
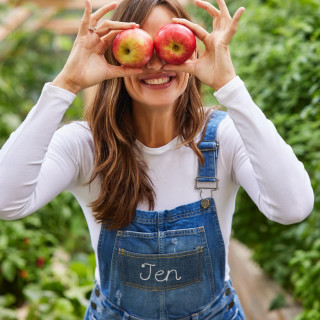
(168, 264)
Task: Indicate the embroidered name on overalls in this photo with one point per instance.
(157, 274)
(160, 271)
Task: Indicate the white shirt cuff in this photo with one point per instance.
(228, 88)
(60, 91)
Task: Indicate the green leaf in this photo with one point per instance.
(278, 302)
(8, 314)
(7, 300)
(8, 270)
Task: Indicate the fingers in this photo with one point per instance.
(234, 24)
(102, 12)
(108, 25)
(212, 10)
(121, 71)
(108, 38)
(187, 67)
(223, 8)
(208, 7)
(199, 32)
(222, 20)
(85, 21)
(92, 20)
(237, 16)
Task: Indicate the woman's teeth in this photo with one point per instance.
(157, 81)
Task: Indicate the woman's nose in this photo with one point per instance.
(155, 63)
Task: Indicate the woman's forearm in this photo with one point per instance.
(283, 189)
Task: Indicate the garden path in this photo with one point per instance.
(256, 291)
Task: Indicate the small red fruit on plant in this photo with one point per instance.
(133, 48)
(23, 274)
(175, 43)
(40, 262)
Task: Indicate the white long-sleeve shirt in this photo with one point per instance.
(38, 162)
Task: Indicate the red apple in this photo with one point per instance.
(133, 48)
(175, 43)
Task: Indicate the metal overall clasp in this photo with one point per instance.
(205, 203)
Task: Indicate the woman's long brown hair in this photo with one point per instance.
(117, 164)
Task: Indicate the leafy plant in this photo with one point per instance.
(278, 302)
(62, 294)
(27, 246)
(276, 51)
(24, 250)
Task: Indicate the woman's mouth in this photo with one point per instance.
(158, 81)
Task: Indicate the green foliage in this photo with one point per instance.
(26, 64)
(63, 292)
(276, 51)
(29, 247)
(6, 301)
(24, 248)
(278, 302)
(306, 266)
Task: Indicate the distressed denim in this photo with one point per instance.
(168, 264)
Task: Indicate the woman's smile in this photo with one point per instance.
(158, 81)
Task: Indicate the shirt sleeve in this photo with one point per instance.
(263, 164)
(30, 175)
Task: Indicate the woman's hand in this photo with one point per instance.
(86, 65)
(214, 67)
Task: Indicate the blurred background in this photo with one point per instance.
(46, 260)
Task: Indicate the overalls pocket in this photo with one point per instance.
(160, 272)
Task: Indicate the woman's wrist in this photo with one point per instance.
(222, 83)
(224, 67)
(60, 82)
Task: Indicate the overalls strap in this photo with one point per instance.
(207, 174)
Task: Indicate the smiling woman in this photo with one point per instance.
(156, 173)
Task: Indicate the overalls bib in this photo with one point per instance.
(168, 264)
